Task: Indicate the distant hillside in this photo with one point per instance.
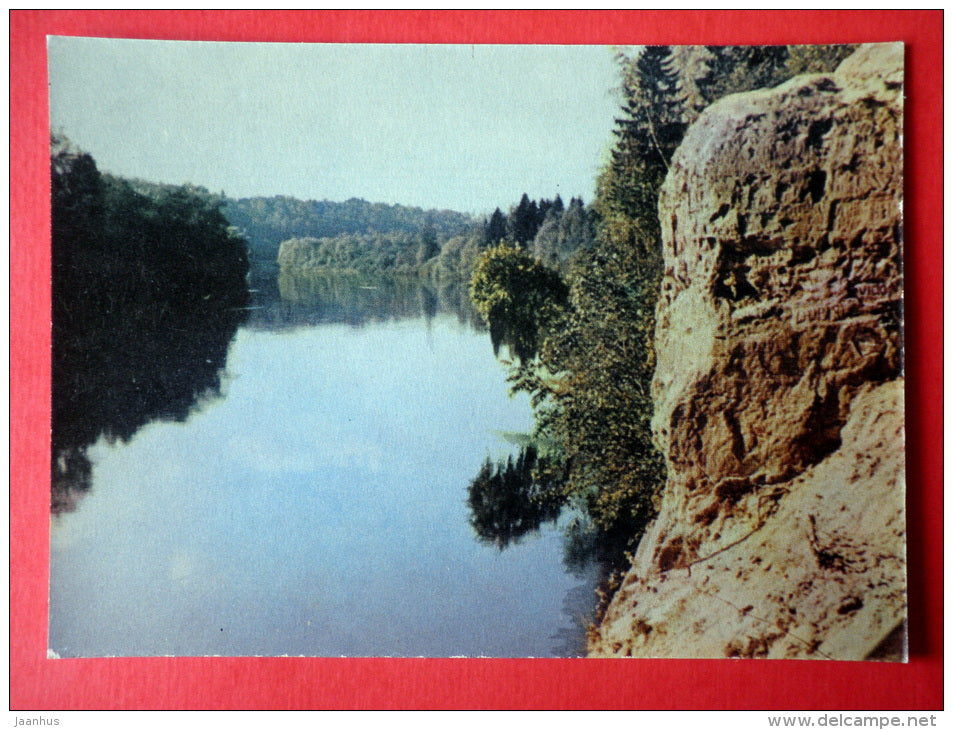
(266, 222)
(378, 238)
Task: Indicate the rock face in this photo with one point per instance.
(778, 389)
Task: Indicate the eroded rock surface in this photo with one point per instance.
(778, 389)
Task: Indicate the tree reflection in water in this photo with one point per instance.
(122, 369)
(148, 287)
(308, 297)
(512, 498)
(508, 500)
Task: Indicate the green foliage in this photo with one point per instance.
(427, 246)
(518, 297)
(148, 289)
(457, 257)
(740, 68)
(653, 120)
(426, 249)
(733, 69)
(563, 233)
(266, 222)
(591, 382)
(816, 59)
(523, 221)
(370, 253)
(495, 227)
(173, 245)
(599, 408)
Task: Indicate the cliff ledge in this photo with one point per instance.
(778, 389)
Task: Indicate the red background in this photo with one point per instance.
(37, 683)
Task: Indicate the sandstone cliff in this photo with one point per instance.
(778, 389)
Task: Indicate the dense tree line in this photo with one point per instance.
(394, 252)
(547, 229)
(550, 230)
(148, 290)
(117, 243)
(590, 378)
(266, 222)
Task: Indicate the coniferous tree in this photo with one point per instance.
(543, 211)
(563, 234)
(599, 409)
(648, 132)
(496, 227)
(522, 223)
(657, 113)
(575, 228)
(591, 381)
(732, 69)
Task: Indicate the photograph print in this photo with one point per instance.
(476, 350)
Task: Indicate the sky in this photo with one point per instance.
(463, 127)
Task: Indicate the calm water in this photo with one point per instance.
(316, 504)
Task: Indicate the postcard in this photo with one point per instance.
(371, 350)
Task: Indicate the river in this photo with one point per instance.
(314, 503)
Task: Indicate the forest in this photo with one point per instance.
(580, 328)
(148, 290)
(569, 290)
(266, 222)
(435, 245)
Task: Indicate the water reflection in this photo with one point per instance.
(512, 498)
(331, 520)
(579, 606)
(297, 298)
(116, 368)
(520, 336)
(508, 500)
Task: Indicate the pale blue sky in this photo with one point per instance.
(461, 127)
